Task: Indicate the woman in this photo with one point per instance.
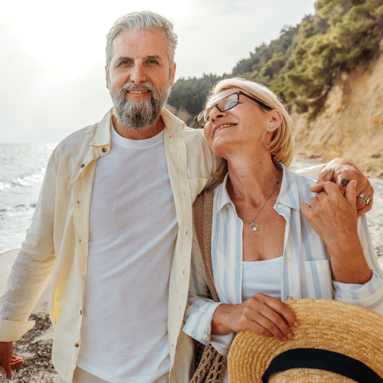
(272, 238)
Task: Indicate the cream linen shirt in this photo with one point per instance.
(56, 244)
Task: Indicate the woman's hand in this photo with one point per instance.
(261, 313)
(334, 218)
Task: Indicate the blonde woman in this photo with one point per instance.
(272, 238)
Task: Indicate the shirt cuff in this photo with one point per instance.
(11, 331)
(222, 343)
(198, 325)
(363, 295)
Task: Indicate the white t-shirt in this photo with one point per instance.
(133, 228)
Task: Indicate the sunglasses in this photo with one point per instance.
(223, 105)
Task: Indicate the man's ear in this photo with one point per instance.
(106, 76)
(173, 73)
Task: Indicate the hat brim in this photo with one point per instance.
(325, 324)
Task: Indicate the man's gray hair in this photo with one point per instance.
(137, 21)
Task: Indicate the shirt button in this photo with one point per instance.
(80, 312)
(82, 166)
(280, 206)
(76, 344)
(288, 260)
(289, 298)
(103, 150)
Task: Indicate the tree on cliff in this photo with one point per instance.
(354, 30)
(302, 63)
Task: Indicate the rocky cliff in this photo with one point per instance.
(351, 123)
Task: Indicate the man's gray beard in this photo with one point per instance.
(138, 115)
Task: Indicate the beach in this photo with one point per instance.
(35, 347)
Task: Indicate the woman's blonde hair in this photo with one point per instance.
(281, 145)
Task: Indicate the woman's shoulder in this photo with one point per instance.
(299, 185)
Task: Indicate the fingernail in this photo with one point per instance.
(290, 336)
(283, 339)
(296, 324)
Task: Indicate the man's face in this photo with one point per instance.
(139, 77)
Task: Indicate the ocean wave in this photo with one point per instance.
(24, 180)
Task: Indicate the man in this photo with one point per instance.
(114, 224)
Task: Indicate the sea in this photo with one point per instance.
(22, 169)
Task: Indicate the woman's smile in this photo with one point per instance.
(221, 126)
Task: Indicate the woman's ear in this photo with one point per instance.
(275, 120)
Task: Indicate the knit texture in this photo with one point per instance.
(210, 364)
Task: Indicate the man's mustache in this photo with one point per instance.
(130, 85)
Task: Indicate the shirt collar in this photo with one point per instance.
(103, 133)
(288, 194)
(172, 123)
(223, 197)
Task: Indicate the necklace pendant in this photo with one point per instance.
(253, 226)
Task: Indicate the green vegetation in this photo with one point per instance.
(190, 94)
(301, 65)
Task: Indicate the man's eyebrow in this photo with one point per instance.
(155, 57)
(122, 58)
(125, 58)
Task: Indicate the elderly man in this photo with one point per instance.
(113, 226)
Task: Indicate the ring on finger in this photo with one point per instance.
(366, 198)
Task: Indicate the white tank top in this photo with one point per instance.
(133, 228)
(262, 277)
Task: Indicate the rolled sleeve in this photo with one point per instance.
(13, 330)
(198, 324)
(222, 343)
(200, 308)
(369, 295)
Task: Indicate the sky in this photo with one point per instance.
(52, 63)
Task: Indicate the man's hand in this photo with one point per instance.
(7, 360)
(338, 170)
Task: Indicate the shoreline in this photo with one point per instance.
(8, 251)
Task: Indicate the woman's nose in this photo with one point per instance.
(215, 113)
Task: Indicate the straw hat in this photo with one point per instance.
(348, 330)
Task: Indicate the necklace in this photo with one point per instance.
(254, 226)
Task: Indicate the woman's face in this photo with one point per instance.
(245, 125)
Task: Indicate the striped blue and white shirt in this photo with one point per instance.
(306, 270)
